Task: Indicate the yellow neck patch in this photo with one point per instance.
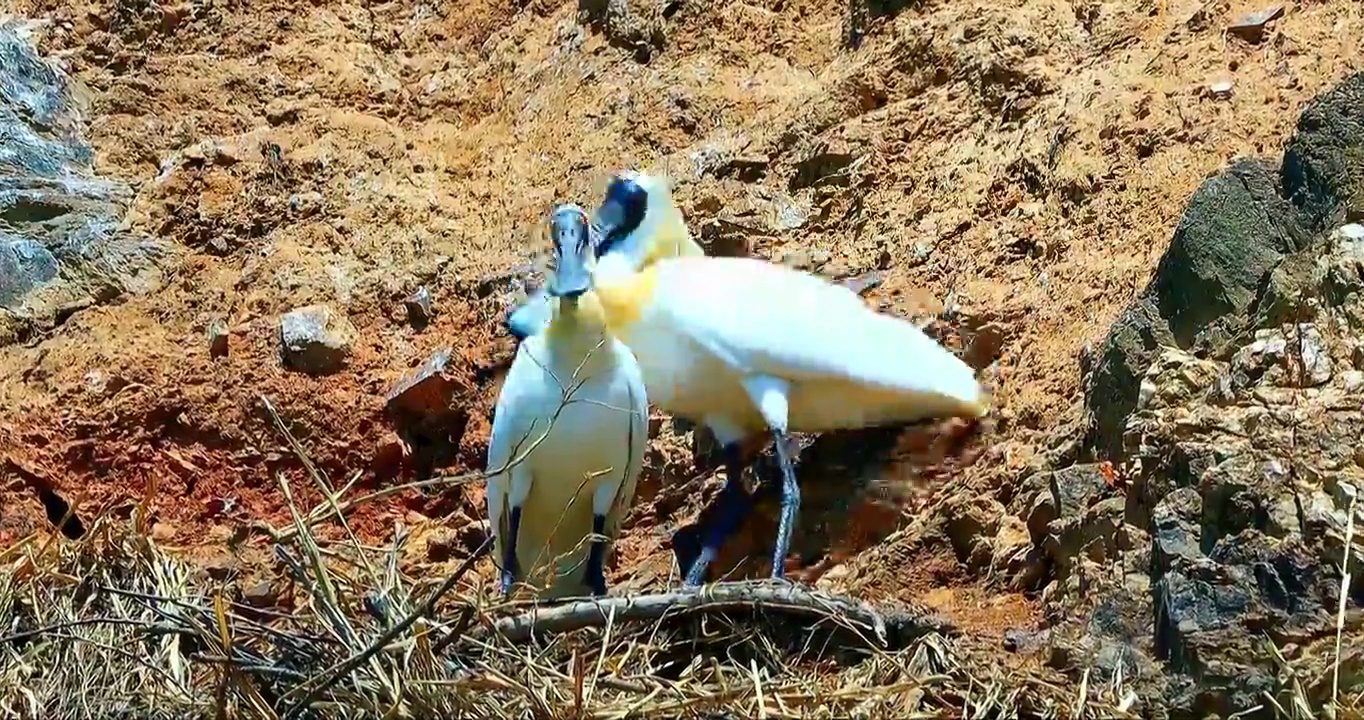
(623, 300)
(671, 240)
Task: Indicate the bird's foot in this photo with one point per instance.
(696, 575)
(508, 579)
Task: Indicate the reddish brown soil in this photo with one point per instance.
(1043, 148)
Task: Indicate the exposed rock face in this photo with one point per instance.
(1230, 395)
(1234, 231)
(61, 247)
(1323, 166)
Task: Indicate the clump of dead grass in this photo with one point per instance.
(113, 626)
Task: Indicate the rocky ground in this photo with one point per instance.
(1133, 216)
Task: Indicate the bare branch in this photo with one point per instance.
(763, 595)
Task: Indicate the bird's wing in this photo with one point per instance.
(531, 316)
(766, 319)
(512, 420)
(635, 438)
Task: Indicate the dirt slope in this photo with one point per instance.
(1020, 164)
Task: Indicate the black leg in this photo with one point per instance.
(733, 506)
(596, 558)
(509, 565)
(790, 506)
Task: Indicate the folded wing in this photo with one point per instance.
(767, 319)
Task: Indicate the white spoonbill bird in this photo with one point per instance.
(664, 234)
(745, 346)
(569, 432)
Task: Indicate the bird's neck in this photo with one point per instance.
(624, 296)
(576, 331)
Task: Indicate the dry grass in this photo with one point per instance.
(112, 626)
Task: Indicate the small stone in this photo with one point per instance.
(389, 455)
(1020, 640)
(261, 595)
(426, 391)
(419, 311)
(837, 269)
(471, 536)
(217, 339)
(280, 111)
(316, 340)
(1251, 26)
(745, 169)
(444, 545)
(985, 346)
(163, 532)
(799, 260)
(1316, 358)
(305, 204)
(864, 283)
(225, 155)
(1011, 542)
(96, 381)
(972, 527)
(1350, 232)
(220, 568)
(1220, 89)
(221, 506)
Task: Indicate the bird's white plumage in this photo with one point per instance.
(602, 428)
(713, 324)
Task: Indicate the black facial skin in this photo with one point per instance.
(621, 212)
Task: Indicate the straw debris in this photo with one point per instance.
(113, 626)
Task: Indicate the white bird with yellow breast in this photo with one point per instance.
(745, 346)
(569, 433)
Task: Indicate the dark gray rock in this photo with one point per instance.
(1323, 165)
(1199, 613)
(315, 339)
(24, 265)
(1175, 531)
(1069, 492)
(1233, 387)
(1234, 231)
(1132, 343)
(1293, 284)
(61, 245)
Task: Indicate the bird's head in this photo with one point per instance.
(637, 208)
(571, 235)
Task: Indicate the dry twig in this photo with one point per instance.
(773, 598)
